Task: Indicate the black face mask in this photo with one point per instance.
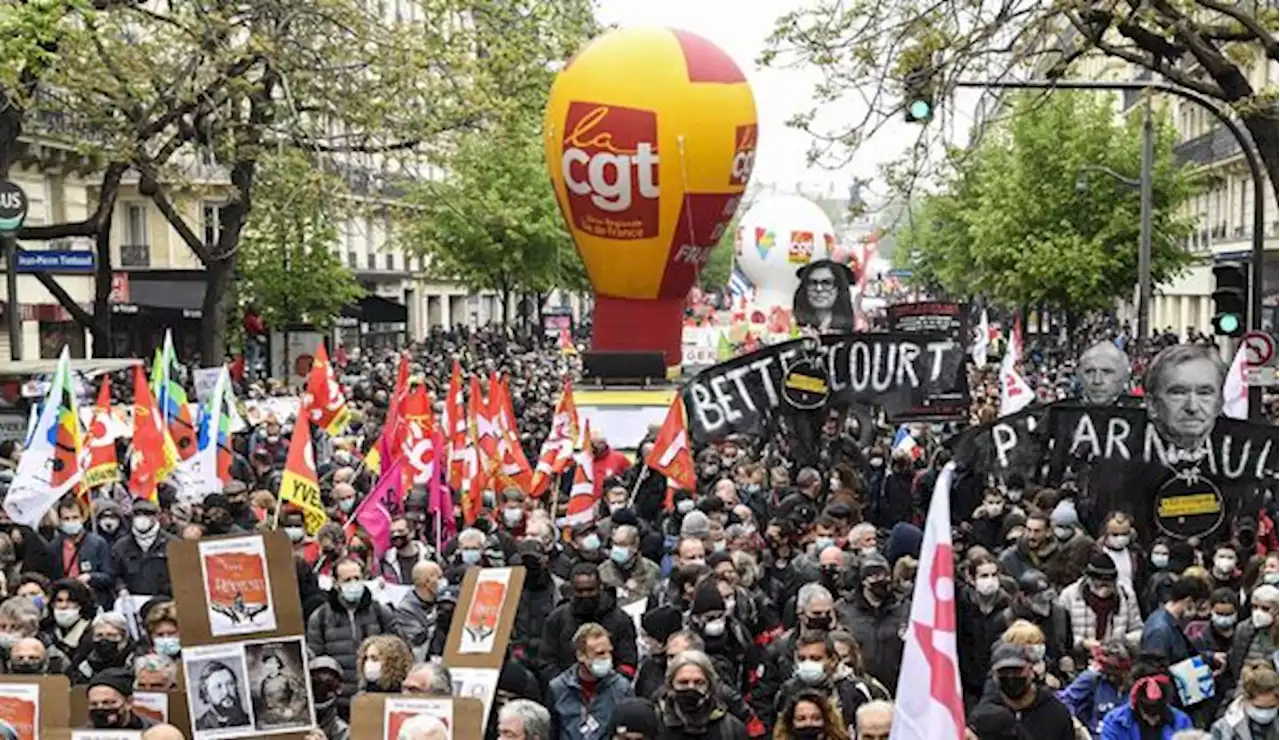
(692, 702)
(808, 733)
(399, 540)
(326, 708)
(831, 578)
(106, 649)
(879, 589)
(105, 719)
(1014, 687)
(586, 606)
(818, 623)
(29, 669)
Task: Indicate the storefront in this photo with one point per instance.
(146, 304)
(373, 322)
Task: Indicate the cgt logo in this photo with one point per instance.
(744, 155)
(609, 163)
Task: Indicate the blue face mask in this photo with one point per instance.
(621, 555)
(470, 557)
(168, 646)
(72, 529)
(347, 504)
(822, 543)
(352, 592)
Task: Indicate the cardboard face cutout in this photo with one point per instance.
(823, 301)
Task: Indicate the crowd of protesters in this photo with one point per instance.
(773, 601)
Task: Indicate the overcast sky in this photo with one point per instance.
(740, 28)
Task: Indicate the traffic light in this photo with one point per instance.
(918, 94)
(1231, 297)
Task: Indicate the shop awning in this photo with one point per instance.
(374, 309)
(184, 295)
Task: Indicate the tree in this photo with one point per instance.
(493, 223)
(1012, 227)
(715, 274)
(286, 267)
(867, 49)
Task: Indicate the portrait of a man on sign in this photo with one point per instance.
(1103, 373)
(1183, 391)
(823, 302)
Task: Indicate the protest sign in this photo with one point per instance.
(937, 317)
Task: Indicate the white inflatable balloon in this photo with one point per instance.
(779, 235)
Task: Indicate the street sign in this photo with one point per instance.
(13, 206)
(1261, 377)
(1260, 349)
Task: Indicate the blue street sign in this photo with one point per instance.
(73, 261)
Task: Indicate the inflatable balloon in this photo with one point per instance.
(779, 235)
(650, 137)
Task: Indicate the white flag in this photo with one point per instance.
(1235, 394)
(936, 710)
(202, 467)
(50, 466)
(982, 342)
(1015, 394)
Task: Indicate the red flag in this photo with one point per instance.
(514, 466)
(147, 462)
(581, 508)
(670, 454)
(455, 422)
(328, 405)
(102, 468)
(475, 475)
(392, 438)
(557, 449)
(300, 484)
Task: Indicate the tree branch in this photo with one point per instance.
(161, 198)
(1153, 63)
(62, 296)
(1251, 24)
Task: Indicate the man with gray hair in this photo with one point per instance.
(632, 576)
(1103, 373)
(521, 719)
(1183, 394)
(874, 720)
(428, 679)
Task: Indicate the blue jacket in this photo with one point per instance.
(1161, 634)
(1121, 723)
(568, 710)
(95, 560)
(1090, 697)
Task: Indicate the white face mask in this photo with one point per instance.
(1224, 566)
(65, 618)
(1118, 541)
(987, 585)
(372, 670)
(1035, 653)
(1262, 619)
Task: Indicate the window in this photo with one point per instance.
(373, 260)
(135, 224)
(352, 262)
(391, 261)
(211, 219)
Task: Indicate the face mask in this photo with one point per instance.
(729, 605)
(352, 592)
(72, 529)
(614, 507)
(684, 506)
(1014, 687)
(26, 668)
(142, 524)
(987, 585)
(819, 623)
(1041, 605)
(586, 606)
(109, 525)
(1118, 541)
(822, 543)
(1063, 533)
(591, 543)
(1014, 495)
(601, 667)
(690, 701)
(1262, 619)
(324, 708)
(104, 719)
(876, 462)
(470, 557)
(1223, 621)
(168, 646)
(295, 533)
(879, 589)
(347, 504)
(38, 602)
(1160, 559)
(107, 649)
(810, 671)
(65, 618)
(1271, 579)
(1224, 566)
(714, 628)
(1261, 716)
(620, 555)
(399, 540)
(512, 516)
(1035, 653)
(8, 639)
(372, 671)
(807, 733)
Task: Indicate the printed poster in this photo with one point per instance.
(217, 692)
(279, 685)
(801, 250)
(260, 687)
(20, 711)
(106, 734)
(411, 718)
(480, 627)
(154, 705)
(476, 683)
(237, 586)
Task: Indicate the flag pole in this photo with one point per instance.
(635, 487)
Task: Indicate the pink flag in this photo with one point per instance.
(374, 514)
(439, 501)
(929, 653)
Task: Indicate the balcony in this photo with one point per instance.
(135, 255)
(1215, 146)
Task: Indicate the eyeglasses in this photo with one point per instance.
(823, 283)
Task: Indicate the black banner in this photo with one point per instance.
(913, 376)
(1120, 462)
(937, 317)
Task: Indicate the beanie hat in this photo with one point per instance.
(871, 563)
(707, 599)
(695, 524)
(635, 715)
(661, 623)
(120, 679)
(1064, 514)
(1101, 566)
(717, 558)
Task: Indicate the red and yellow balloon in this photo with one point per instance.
(650, 137)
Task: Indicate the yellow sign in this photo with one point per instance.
(1193, 505)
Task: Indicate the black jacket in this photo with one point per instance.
(336, 630)
(143, 572)
(879, 632)
(1046, 718)
(976, 633)
(557, 652)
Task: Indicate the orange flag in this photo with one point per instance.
(670, 454)
(328, 406)
(300, 484)
(557, 449)
(514, 465)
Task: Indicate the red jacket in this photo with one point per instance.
(605, 465)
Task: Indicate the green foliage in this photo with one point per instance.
(286, 266)
(494, 223)
(1013, 228)
(715, 274)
